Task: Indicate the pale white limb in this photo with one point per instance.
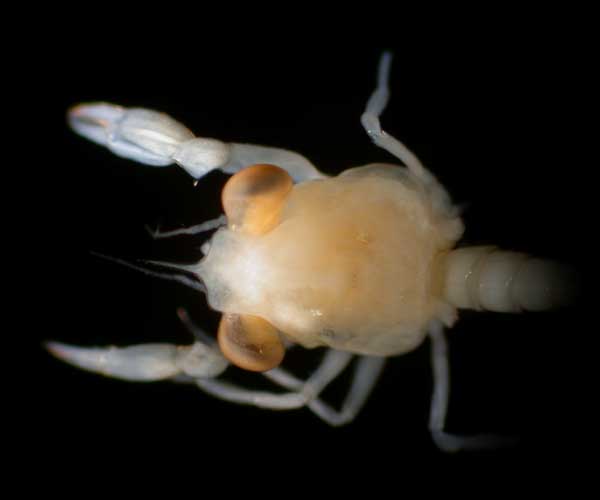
(365, 376)
(156, 139)
(299, 168)
(144, 362)
(261, 399)
(332, 365)
(439, 402)
(370, 120)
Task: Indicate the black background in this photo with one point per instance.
(499, 125)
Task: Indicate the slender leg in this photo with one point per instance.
(261, 399)
(333, 364)
(439, 403)
(371, 123)
(441, 390)
(366, 374)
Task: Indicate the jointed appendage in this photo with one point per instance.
(144, 362)
(440, 399)
(370, 120)
(202, 362)
(156, 139)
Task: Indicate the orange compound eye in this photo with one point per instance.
(253, 198)
(250, 342)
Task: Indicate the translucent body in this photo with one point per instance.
(351, 264)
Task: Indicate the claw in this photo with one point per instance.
(148, 137)
(146, 362)
(92, 121)
(139, 134)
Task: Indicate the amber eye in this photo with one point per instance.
(250, 342)
(253, 198)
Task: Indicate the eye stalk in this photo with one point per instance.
(250, 342)
(253, 198)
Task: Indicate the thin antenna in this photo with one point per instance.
(184, 280)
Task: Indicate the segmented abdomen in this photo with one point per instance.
(487, 278)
